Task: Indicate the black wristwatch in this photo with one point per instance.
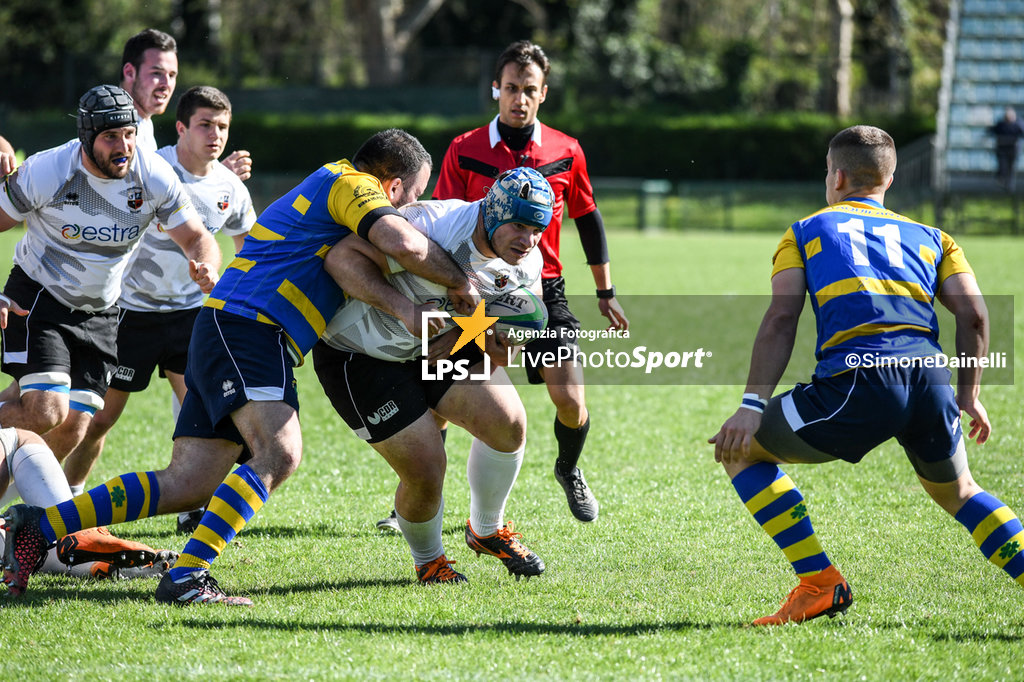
(606, 293)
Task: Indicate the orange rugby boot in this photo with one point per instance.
(822, 594)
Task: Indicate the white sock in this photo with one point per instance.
(175, 406)
(40, 482)
(38, 475)
(491, 476)
(424, 538)
(77, 489)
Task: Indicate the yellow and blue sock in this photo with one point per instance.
(233, 505)
(997, 531)
(125, 498)
(779, 508)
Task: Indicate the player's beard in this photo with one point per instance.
(112, 171)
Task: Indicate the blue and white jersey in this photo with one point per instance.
(872, 275)
(81, 229)
(157, 280)
(364, 329)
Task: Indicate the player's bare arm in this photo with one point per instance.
(6, 221)
(358, 267)
(773, 347)
(396, 237)
(200, 247)
(961, 295)
(8, 306)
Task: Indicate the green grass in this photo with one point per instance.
(659, 587)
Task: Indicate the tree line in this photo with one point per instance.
(835, 56)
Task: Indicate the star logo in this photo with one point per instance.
(473, 327)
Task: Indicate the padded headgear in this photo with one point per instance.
(102, 108)
(519, 195)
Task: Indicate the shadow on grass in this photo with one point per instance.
(69, 588)
(320, 530)
(456, 629)
(581, 629)
(961, 636)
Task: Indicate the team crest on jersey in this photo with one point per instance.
(135, 198)
(223, 202)
(500, 281)
(71, 198)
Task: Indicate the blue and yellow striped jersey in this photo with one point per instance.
(278, 277)
(872, 275)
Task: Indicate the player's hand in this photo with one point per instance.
(8, 162)
(980, 426)
(8, 306)
(464, 299)
(440, 347)
(413, 319)
(732, 442)
(239, 162)
(203, 275)
(497, 345)
(611, 309)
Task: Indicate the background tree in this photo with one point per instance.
(610, 55)
(388, 28)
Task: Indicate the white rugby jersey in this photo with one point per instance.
(157, 278)
(145, 135)
(81, 229)
(362, 328)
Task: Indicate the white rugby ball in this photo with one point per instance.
(519, 311)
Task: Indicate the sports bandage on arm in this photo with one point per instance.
(753, 401)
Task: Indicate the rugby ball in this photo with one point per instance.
(519, 311)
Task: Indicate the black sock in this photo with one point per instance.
(570, 445)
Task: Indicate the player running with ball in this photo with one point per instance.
(369, 364)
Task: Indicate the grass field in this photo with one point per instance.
(659, 587)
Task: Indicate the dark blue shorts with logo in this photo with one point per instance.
(232, 360)
(847, 415)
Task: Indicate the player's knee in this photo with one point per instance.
(569, 403)
(429, 485)
(44, 400)
(100, 425)
(26, 437)
(512, 437)
(43, 416)
(280, 463)
(425, 472)
(573, 415)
